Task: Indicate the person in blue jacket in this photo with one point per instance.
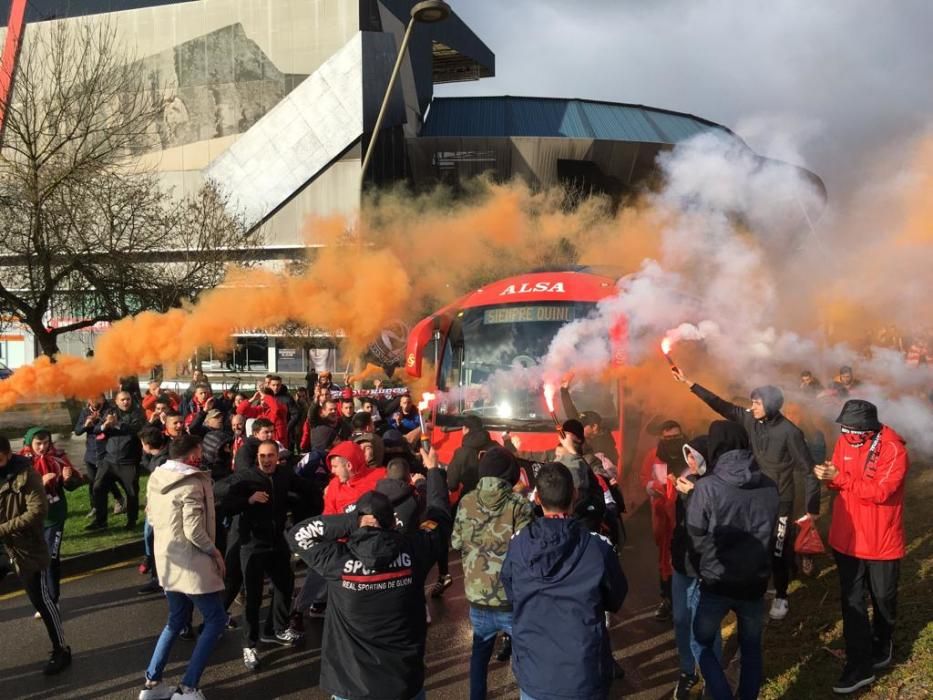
(561, 580)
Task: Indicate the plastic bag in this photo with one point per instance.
(808, 540)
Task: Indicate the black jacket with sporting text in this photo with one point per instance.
(375, 627)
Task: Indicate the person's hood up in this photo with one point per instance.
(376, 548)
(167, 476)
(772, 399)
(552, 548)
(351, 452)
(478, 440)
(725, 436)
(699, 448)
(379, 448)
(492, 493)
(859, 414)
(396, 491)
(738, 468)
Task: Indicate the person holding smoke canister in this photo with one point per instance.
(781, 451)
(661, 466)
(867, 470)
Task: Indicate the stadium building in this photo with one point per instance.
(275, 100)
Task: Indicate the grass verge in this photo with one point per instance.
(77, 541)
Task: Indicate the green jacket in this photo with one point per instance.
(23, 506)
(487, 518)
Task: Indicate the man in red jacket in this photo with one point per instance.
(352, 478)
(868, 468)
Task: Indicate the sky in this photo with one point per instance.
(843, 87)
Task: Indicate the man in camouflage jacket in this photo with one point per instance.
(487, 518)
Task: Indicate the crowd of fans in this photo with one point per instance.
(240, 482)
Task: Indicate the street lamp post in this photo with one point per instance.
(427, 12)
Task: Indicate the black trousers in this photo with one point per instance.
(313, 592)
(783, 563)
(233, 583)
(109, 473)
(277, 566)
(92, 477)
(37, 588)
(879, 580)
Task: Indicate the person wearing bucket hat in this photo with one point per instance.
(867, 470)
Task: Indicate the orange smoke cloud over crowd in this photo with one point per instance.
(407, 254)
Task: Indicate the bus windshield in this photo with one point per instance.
(485, 343)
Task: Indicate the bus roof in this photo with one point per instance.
(540, 286)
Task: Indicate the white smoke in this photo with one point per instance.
(734, 226)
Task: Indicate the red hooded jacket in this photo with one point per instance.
(868, 514)
(338, 496)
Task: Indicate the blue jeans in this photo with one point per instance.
(711, 609)
(420, 696)
(685, 597)
(486, 625)
(180, 607)
(522, 695)
(148, 536)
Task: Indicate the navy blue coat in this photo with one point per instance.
(561, 580)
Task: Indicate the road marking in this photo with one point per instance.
(76, 577)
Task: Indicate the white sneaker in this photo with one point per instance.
(779, 609)
(159, 691)
(185, 693)
(250, 659)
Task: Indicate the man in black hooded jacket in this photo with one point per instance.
(780, 450)
(375, 626)
(463, 471)
(730, 525)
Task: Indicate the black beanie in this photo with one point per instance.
(575, 428)
(725, 436)
(379, 506)
(859, 414)
(498, 462)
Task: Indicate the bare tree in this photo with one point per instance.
(86, 231)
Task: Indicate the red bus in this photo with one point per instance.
(461, 348)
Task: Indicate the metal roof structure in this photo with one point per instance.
(509, 116)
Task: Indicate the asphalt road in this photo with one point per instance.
(112, 632)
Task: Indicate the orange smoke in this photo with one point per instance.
(348, 288)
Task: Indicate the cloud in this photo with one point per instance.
(848, 78)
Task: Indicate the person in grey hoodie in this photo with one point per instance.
(191, 570)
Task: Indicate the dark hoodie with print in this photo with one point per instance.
(374, 631)
(561, 579)
(731, 517)
(779, 446)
